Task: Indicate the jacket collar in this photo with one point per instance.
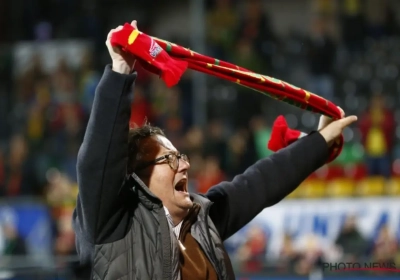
(201, 199)
(204, 202)
(145, 196)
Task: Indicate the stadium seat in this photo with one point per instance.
(313, 176)
(329, 172)
(294, 194)
(371, 186)
(355, 171)
(312, 188)
(340, 187)
(393, 187)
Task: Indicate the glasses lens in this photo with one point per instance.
(173, 161)
(185, 158)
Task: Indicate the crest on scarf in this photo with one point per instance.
(155, 49)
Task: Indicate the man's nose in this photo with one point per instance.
(183, 165)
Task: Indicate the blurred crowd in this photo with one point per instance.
(308, 253)
(49, 112)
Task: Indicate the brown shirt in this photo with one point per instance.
(194, 263)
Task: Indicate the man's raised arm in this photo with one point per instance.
(102, 158)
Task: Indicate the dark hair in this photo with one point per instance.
(135, 147)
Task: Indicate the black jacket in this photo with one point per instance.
(121, 228)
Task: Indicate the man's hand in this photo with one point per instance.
(331, 130)
(122, 62)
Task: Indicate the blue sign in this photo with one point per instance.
(33, 222)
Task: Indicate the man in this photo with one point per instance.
(134, 217)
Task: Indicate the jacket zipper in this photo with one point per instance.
(213, 255)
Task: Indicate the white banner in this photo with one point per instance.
(323, 218)
(49, 53)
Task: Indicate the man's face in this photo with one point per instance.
(169, 185)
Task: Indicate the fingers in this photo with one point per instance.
(133, 23)
(108, 41)
(342, 114)
(324, 121)
(347, 121)
(112, 31)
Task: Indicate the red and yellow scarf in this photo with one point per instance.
(170, 61)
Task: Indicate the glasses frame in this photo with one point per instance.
(165, 157)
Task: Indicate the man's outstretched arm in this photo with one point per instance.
(270, 180)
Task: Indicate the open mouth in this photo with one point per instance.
(181, 185)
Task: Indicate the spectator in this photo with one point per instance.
(288, 255)
(60, 197)
(20, 173)
(255, 27)
(240, 152)
(261, 135)
(378, 19)
(252, 254)
(350, 241)
(248, 103)
(245, 55)
(353, 25)
(65, 240)
(221, 23)
(310, 253)
(321, 58)
(13, 243)
(377, 128)
(88, 79)
(385, 249)
(210, 175)
(215, 143)
(66, 133)
(197, 163)
(194, 141)
(63, 83)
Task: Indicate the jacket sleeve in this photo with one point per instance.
(102, 159)
(265, 183)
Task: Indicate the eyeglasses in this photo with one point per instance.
(172, 159)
